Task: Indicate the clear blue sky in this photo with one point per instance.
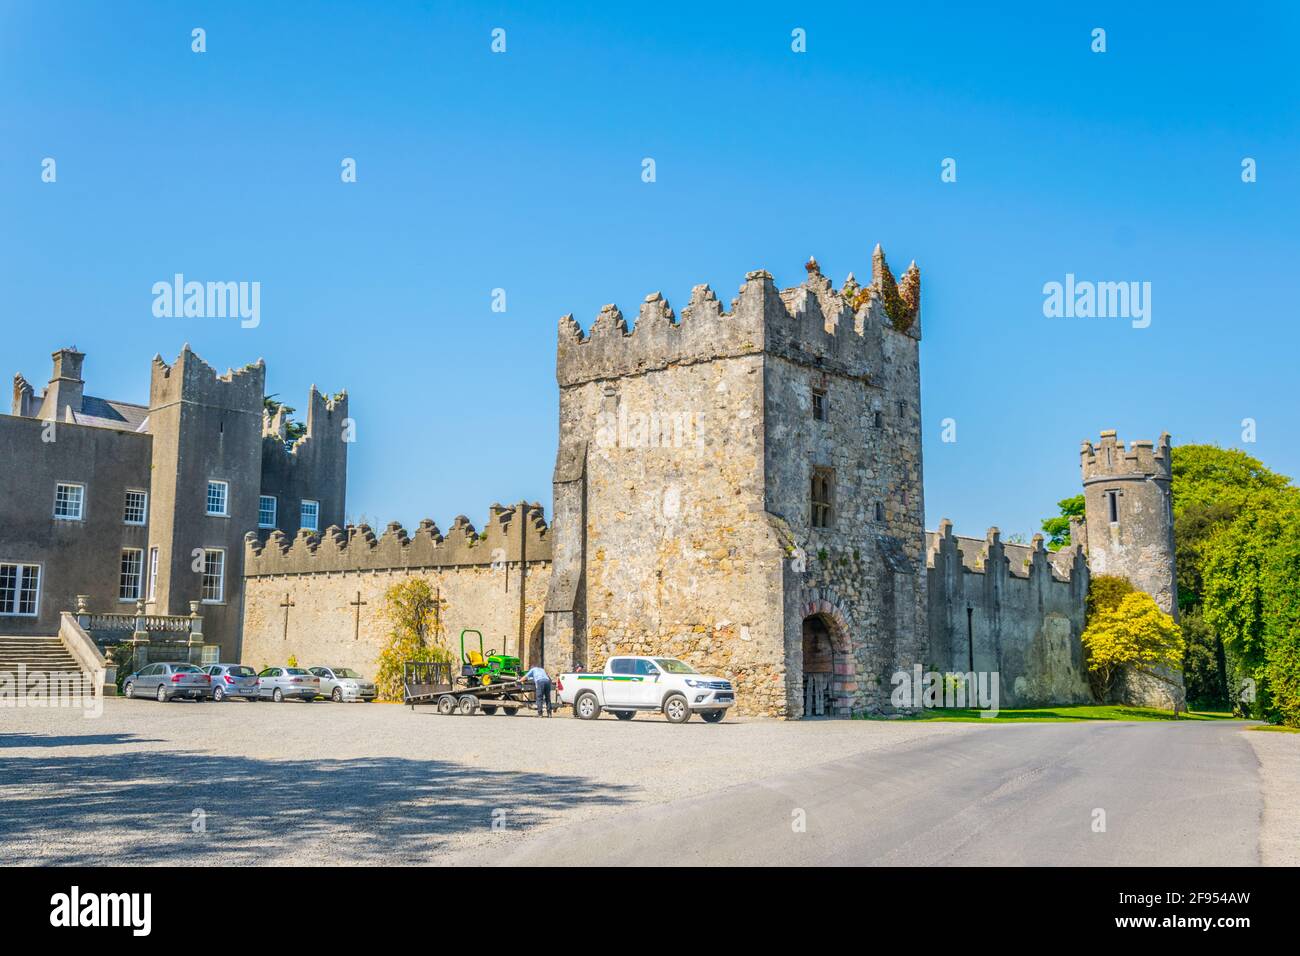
(522, 171)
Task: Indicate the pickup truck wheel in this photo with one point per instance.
(586, 707)
(446, 704)
(713, 716)
(625, 714)
(676, 709)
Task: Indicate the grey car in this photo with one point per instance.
(168, 681)
(279, 683)
(343, 683)
(233, 680)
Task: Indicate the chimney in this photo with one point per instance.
(64, 390)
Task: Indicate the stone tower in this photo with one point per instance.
(1128, 528)
(743, 490)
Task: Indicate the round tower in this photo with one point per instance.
(1129, 514)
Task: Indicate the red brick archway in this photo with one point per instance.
(823, 615)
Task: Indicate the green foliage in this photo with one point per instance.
(293, 431)
(415, 613)
(1105, 591)
(1057, 529)
(1207, 475)
(1135, 634)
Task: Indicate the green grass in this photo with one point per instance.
(1278, 727)
(1080, 712)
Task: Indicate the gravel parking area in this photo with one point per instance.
(321, 783)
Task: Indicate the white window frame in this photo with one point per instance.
(225, 499)
(81, 501)
(122, 576)
(211, 654)
(20, 576)
(315, 517)
(144, 507)
(220, 576)
(275, 510)
(153, 574)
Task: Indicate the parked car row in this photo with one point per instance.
(217, 682)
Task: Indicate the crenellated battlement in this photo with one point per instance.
(1109, 459)
(944, 549)
(814, 323)
(191, 379)
(357, 548)
(326, 417)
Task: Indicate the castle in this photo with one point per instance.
(126, 504)
(741, 489)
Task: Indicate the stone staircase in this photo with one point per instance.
(41, 667)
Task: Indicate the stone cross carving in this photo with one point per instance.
(286, 604)
(358, 603)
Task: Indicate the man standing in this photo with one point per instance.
(542, 681)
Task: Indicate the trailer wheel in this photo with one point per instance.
(625, 714)
(676, 709)
(446, 704)
(586, 707)
(468, 705)
(510, 711)
(489, 709)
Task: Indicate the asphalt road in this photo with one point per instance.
(1172, 794)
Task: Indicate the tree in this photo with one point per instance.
(1057, 529)
(293, 431)
(1134, 634)
(415, 612)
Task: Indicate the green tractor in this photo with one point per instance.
(492, 668)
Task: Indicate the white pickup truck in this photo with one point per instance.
(630, 684)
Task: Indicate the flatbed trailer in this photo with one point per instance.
(432, 682)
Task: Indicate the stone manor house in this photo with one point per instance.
(741, 488)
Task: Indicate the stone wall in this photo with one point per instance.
(476, 574)
(1012, 609)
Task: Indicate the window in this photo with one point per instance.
(218, 496)
(646, 669)
(879, 419)
(266, 511)
(819, 404)
(137, 507)
(880, 511)
(823, 483)
(902, 409)
(1112, 505)
(153, 574)
(310, 514)
(622, 665)
(211, 653)
(214, 576)
(128, 587)
(69, 501)
(20, 589)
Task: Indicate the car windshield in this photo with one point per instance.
(186, 669)
(242, 671)
(674, 666)
(297, 672)
(347, 673)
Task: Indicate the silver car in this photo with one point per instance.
(342, 683)
(233, 680)
(168, 681)
(278, 683)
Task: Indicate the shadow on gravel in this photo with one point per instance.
(71, 740)
(137, 808)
